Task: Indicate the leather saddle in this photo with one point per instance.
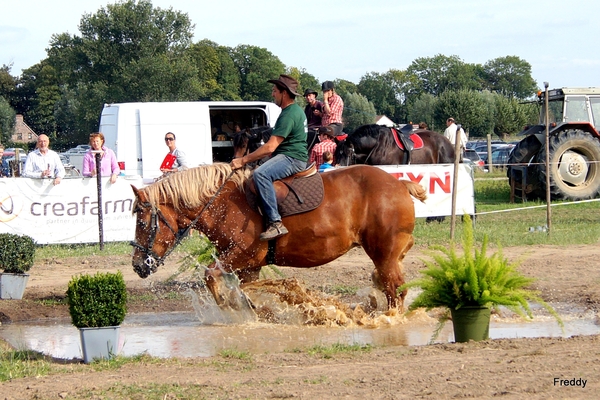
(407, 141)
(295, 194)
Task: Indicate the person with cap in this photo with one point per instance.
(288, 150)
(333, 108)
(326, 143)
(313, 109)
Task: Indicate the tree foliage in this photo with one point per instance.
(358, 110)
(510, 76)
(256, 66)
(7, 120)
(132, 51)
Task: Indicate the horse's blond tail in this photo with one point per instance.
(417, 191)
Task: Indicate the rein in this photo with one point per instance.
(153, 260)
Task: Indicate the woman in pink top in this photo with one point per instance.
(108, 161)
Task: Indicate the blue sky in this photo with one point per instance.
(347, 39)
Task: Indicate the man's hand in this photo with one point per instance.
(237, 163)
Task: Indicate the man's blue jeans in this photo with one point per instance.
(278, 167)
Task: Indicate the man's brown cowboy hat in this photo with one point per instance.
(326, 130)
(286, 82)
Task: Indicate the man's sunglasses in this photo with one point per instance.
(168, 139)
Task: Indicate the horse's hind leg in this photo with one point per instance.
(388, 275)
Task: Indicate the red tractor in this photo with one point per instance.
(574, 147)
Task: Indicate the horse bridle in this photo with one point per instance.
(153, 260)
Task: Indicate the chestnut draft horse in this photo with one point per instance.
(375, 145)
(362, 206)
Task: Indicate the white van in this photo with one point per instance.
(203, 129)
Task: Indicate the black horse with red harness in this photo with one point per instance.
(382, 145)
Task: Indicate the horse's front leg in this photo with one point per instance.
(225, 286)
(215, 282)
(249, 274)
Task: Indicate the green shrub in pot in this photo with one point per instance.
(98, 300)
(471, 278)
(17, 253)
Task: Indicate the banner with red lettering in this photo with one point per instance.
(438, 180)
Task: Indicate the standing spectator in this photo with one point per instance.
(333, 108)
(423, 125)
(452, 131)
(4, 167)
(313, 109)
(327, 162)
(326, 143)
(175, 160)
(108, 161)
(43, 162)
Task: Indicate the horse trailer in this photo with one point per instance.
(203, 130)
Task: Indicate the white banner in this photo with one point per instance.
(68, 212)
(438, 179)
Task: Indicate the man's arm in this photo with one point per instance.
(263, 151)
(30, 167)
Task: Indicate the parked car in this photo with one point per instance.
(10, 157)
(500, 156)
(474, 158)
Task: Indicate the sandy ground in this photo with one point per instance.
(510, 368)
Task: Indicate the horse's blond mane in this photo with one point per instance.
(193, 187)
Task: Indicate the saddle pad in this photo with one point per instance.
(416, 139)
(304, 194)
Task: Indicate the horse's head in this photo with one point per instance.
(155, 234)
(344, 153)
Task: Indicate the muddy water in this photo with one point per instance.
(287, 318)
(183, 335)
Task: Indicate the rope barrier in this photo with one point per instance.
(532, 207)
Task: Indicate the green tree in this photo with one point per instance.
(379, 89)
(434, 75)
(218, 77)
(422, 109)
(510, 76)
(511, 116)
(358, 110)
(7, 120)
(468, 107)
(256, 66)
(343, 86)
(8, 83)
(127, 51)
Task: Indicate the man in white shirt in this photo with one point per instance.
(43, 162)
(452, 131)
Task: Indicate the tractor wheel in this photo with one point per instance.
(523, 153)
(574, 165)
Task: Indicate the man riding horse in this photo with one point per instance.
(287, 148)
